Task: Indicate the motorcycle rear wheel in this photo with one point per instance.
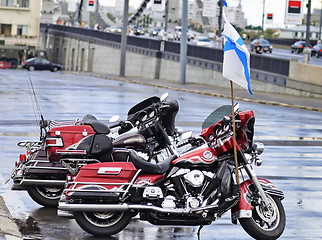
(47, 196)
(103, 223)
(266, 224)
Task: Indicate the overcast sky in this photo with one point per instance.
(253, 9)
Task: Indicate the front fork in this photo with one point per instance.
(251, 173)
(243, 209)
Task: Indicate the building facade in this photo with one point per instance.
(19, 18)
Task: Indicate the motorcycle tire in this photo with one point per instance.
(103, 223)
(47, 196)
(266, 224)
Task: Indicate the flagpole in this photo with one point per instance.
(234, 130)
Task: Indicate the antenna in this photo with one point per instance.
(34, 101)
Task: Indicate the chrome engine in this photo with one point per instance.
(190, 189)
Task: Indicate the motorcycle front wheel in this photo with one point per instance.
(266, 223)
(103, 223)
(47, 196)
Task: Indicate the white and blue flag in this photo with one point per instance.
(236, 56)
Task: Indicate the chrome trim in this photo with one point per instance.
(126, 207)
(109, 170)
(65, 214)
(241, 214)
(27, 182)
(29, 143)
(70, 152)
(46, 168)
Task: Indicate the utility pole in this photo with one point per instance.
(319, 40)
(124, 37)
(263, 17)
(220, 4)
(307, 49)
(166, 15)
(183, 41)
(79, 12)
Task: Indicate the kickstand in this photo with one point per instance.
(199, 230)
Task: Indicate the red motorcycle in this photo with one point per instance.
(194, 189)
(66, 146)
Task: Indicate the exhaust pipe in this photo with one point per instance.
(127, 207)
(27, 182)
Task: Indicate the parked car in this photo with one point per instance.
(115, 29)
(177, 33)
(266, 46)
(316, 50)
(166, 35)
(298, 46)
(203, 41)
(155, 32)
(41, 64)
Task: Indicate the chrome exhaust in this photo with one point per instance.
(127, 207)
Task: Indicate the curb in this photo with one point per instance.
(8, 228)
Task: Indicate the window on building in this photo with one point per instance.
(7, 3)
(22, 30)
(295, 34)
(23, 3)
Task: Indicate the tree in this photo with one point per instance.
(111, 17)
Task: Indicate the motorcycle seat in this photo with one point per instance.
(98, 126)
(148, 167)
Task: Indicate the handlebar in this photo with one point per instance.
(195, 141)
(121, 124)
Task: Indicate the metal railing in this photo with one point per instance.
(266, 64)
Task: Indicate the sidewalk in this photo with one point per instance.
(8, 228)
(307, 103)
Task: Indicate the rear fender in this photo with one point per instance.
(243, 209)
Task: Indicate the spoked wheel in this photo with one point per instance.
(102, 223)
(266, 223)
(47, 196)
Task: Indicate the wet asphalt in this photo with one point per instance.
(313, 141)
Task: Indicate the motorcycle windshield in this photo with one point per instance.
(142, 105)
(216, 116)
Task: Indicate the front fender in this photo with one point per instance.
(243, 209)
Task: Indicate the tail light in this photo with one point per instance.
(54, 142)
(22, 157)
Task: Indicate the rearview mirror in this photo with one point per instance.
(186, 135)
(114, 118)
(164, 96)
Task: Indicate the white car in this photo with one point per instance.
(166, 35)
(203, 41)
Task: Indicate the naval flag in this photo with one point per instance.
(236, 56)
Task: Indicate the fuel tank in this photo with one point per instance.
(202, 155)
